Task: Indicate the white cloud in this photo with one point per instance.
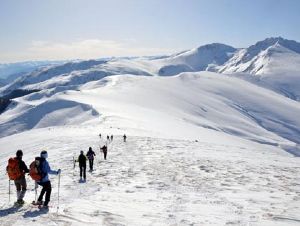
(83, 49)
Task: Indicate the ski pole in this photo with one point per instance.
(35, 190)
(8, 190)
(74, 164)
(99, 153)
(58, 193)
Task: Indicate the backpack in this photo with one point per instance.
(90, 154)
(35, 169)
(13, 169)
(82, 159)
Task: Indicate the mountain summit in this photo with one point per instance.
(258, 56)
(198, 59)
(269, 60)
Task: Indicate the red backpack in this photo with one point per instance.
(13, 169)
(35, 169)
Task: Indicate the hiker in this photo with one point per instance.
(90, 155)
(111, 138)
(100, 135)
(45, 182)
(104, 150)
(82, 165)
(124, 138)
(107, 137)
(16, 170)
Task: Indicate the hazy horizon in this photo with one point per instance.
(77, 29)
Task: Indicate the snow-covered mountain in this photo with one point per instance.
(11, 71)
(213, 138)
(272, 64)
(257, 58)
(203, 58)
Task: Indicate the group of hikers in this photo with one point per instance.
(90, 155)
(40, 169)
(111, 137)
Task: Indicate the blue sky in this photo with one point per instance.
(64, 29)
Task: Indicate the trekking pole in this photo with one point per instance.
(74, 164)
(99, 153)
(58, 193)
(8, 190)
(35, 190)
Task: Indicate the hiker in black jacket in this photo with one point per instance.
(82, 165)
(104, 150)
(90, 155)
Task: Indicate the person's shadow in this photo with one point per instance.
(9, 210)
(35, 213)
(28, 213)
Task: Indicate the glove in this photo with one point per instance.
(58, 171)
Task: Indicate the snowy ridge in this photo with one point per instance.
(49, 113)
(200, 59)
(203, 148)
(178, 100)
(12, 71)
(255, 59)
(263, 58)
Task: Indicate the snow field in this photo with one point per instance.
(154, 181)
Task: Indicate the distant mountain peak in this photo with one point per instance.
(216, 46)
(264, 44)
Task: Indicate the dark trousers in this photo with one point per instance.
(91, 163)
(46, 189)
(105, 153)
(82, 171)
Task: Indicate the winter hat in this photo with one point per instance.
(81, 152)
(44, 154)
(19, 153)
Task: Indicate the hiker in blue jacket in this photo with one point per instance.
(45, 182)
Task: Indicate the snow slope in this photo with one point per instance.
(11, 71)
(255, 59)
(155, 181)
(194, 102)
(199, 59)
(272, 63)
(204, 148)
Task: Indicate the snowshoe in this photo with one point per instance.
(19, 203)
(37, 203)
(44, 208)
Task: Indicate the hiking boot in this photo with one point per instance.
(44, 208)
(38, 203)
(20, 202)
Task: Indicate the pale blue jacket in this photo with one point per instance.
(46, 170)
